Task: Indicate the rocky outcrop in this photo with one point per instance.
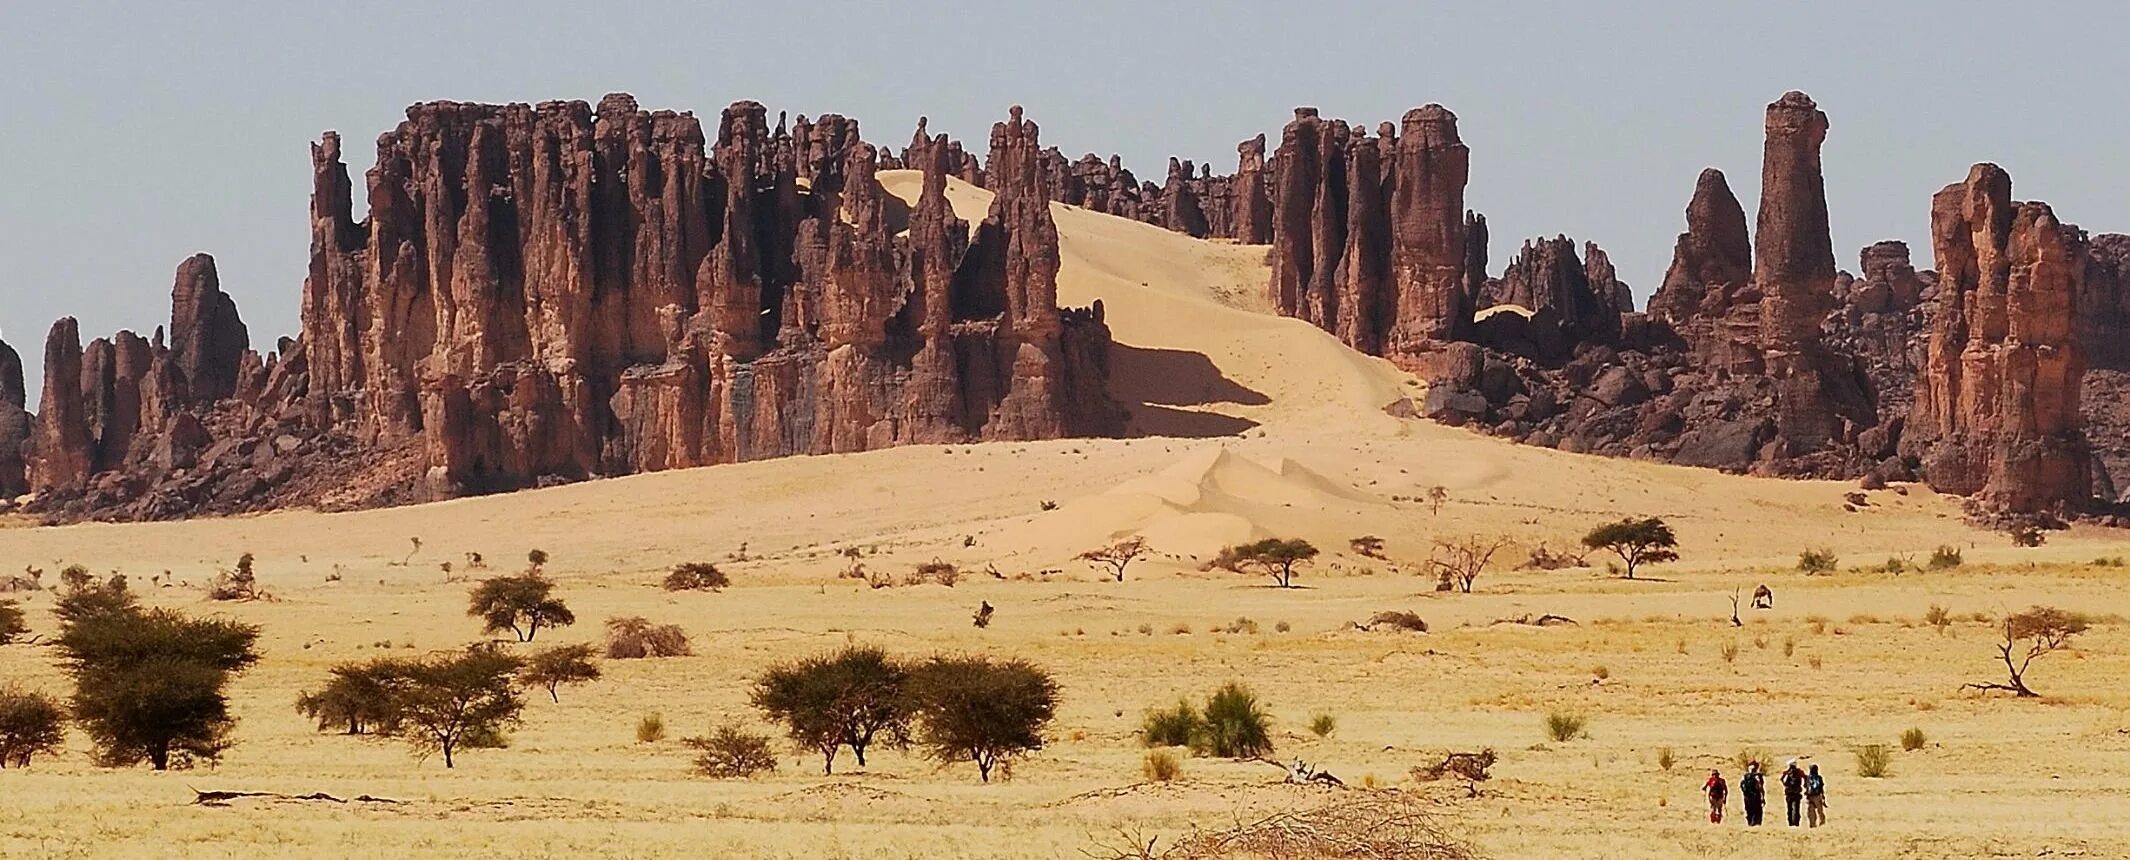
(1369, 234)
(1180, 210)
(1549, 299)
(1997, 407)
(554, 292)
(15, 426)
(1708, 296)
(2102, 326)
(1252, 219)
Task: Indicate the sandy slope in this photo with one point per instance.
(1251, 425)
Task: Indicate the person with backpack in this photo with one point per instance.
(1752, 790)
(1815, 797)
(1793, 792)
(1718, 791)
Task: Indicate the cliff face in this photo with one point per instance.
(559, 291)
(1997, 406)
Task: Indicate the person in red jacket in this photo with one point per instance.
(1718, 791)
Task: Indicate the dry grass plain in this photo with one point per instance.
(1305, 450)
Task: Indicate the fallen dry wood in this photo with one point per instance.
(222, 798)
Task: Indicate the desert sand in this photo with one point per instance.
(1245, 425)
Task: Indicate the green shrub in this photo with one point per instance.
(852, 698)
(1913, 740)
(696, 576)
(1564, 726)
(30, 724)
(982, 710)
(1819, 560)
(731, 753)
(1874, 761)
(1322, 725)
(1235, 725)
(1945, 556)
(1171, 727)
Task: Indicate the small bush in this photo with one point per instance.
(1815, 661)
(1893, 566)
(1235, 725)
(1171, 727)
(942, 572)
(636, 637)
(1874, 761)
(1181, 628)
(12, 625)
(1162, 765)
(1730, 652)
(1282, 627)
(1665, 758)
(1564, 726)
(1789, 646)
(1599, 672)
(651, 728)
(1819, 560)
(239, 584)
(1748, 755)
(1913, 740)
(2108, 561)
(30, 724)
(1398, 620)
(2028, 535)
(1944, 557)
(1322, 725)
(1937, 616)
(731, 753)
(696, 576)
(1239, 625)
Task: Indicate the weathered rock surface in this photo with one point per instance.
(15, 426)
(1997, 407)
(554, 292)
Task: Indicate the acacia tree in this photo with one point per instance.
(149, 683)
(357, 700)
(974, 709)
(1458, 562)
(1117, 556)
(456, 701)
(569, 664)
(2032, 633)
(1274, 557)
(521, 604)
(30, 724)
(826, 702)
(1637, 541)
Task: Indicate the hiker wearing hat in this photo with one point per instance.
(1793, 792)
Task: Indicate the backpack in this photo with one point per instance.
(1815, 785)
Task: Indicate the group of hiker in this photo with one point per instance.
(1803, 792)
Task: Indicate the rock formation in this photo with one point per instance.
(1708, 296)
(2102, 326)
(15, 426)
(1369, 234)
(1554, 300)
(559, 291)
(1997, 406)
(1252, 224)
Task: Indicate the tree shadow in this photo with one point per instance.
(1150, 382)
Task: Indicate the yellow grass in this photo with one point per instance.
(1315, 457)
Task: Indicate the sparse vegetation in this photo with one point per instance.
(1322, 725)
(1564, 726)
(1637, 541)
(1274, 557)
(1170, 727)
(732, 753)
(1397, 619)
(635, 637)
(31, 724)
(941, 572)
(356, 700)
(1367, 546)
(1817, 560)
(1459, 561)
(981, 710)
(1117, 556)
(239, 584)
(1235, 726)
(1666, 759)
(454, 702)
(2029, 635)
(1945, 557)
(12, 625)
(852, 698)
(1874, 761)
(1912, 740)
(1162, 765)
(554, 667)
(1437, 495)
(521, 604)
(2027, 534)
(1729, 652)
(696, 576)
(1938, 617)
(651, 728)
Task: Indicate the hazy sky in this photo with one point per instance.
(132, 138)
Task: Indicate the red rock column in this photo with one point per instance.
(1427, 233)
